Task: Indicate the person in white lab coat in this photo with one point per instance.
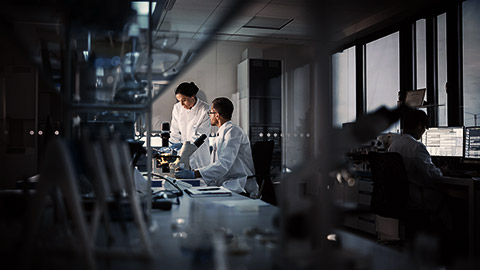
(441, 214)
(189, 121)
(231, 159)
(421, 172)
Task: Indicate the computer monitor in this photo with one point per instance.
(444, 141)
(414, 98)
(472, 143)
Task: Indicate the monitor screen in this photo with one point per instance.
(472, 142)
(444, 141)
(415, 98)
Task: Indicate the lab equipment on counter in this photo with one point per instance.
(165, 134)
(184, 174)
(187, 150)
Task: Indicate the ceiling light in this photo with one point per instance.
(268, 23)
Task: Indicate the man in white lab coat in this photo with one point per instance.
(231, 159)
(421, 172)
(189, 121)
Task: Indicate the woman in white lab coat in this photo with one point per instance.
(190, 120)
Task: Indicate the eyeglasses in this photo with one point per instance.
(211, 112)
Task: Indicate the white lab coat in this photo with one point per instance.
(421, 172)
(188, 125)
(231, 161)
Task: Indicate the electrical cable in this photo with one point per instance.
(179, 193)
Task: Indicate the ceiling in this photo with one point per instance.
(192, 18)
(346, 18)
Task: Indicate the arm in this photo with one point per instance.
(226, 156)
(175, 135)
(424, 164)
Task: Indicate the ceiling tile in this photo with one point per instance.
(187, 16)
(288, 35)
(185, 34)
(196, 4)
(255, 32)
(282, 11)
(238, 21)
(299, 29)
(228, 30)
(273, 23)
(252, 9)
(222, 37)
(246, 38)
(179, 27)
(274, 40)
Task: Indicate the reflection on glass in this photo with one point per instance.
(442, 69)
(300, 118)
(343, 87)
(383, 74)
(471, 62)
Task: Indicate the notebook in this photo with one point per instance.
(208, 192)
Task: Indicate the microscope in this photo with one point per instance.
(187, 150)
(167, 159)
(165, 155)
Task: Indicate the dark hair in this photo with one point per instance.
(223, 106)
(414, 117)
(188, 89)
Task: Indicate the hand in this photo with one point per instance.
(445, 169)
(184, 174)
(176, 146)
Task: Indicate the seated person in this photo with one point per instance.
(436, 212)
(231, 159)
(421, 172)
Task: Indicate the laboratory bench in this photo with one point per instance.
(198, 232)
(236, 232)
(232, 232)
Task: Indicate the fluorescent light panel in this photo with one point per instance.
(267, 23)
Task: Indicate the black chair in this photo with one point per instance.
(390, 185)
(262, 153)
(390, 198)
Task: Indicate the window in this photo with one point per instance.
(383, 74)
(343, 87)
(442, 69)
(421, 55)
(471, 62)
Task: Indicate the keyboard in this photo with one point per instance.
(461, 173)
